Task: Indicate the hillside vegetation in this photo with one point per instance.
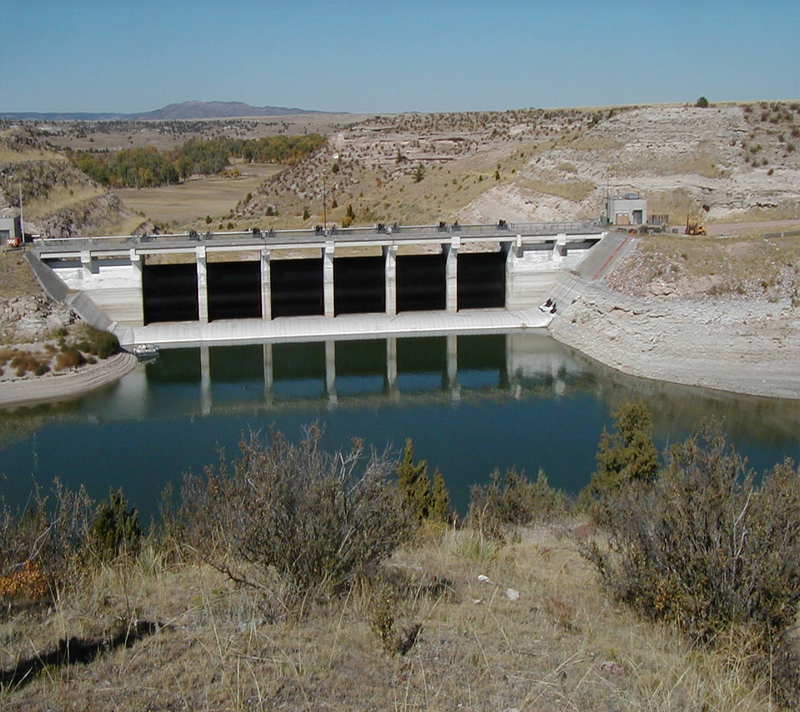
(540, 165)
(148, 167)
(738, 161)
(58, 199)
(291, 577)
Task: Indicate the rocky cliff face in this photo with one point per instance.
(29, 318)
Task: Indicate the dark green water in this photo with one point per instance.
(471, 404)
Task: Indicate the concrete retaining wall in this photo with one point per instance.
(114, 286)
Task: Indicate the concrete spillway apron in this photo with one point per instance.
(349, 326)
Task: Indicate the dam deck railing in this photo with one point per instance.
(375, 235)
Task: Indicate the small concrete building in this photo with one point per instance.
(627, 209)
(10, 228)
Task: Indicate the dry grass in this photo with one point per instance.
(576, 190)
(700, 164)
(590, 142)
(9, 155)
(184, 203)
(61, 197)
(17, 279)
(707, 266)
(562, 645)
(445, 189)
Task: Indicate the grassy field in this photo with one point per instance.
(181, 636)
(186, 202)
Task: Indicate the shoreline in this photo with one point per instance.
(747, 348)
(725, 345)
(75, 384)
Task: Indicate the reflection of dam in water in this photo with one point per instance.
(210, 379)
(470, 403)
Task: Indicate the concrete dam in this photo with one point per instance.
(245, 285)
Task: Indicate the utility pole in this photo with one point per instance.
(324, 211)
(21, 220)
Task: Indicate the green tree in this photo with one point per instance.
(419, 173)
(440, 499)
(306, 214)
(627, 454)
(702, 102)
(414, 482)
(115, 529)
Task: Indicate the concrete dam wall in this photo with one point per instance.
(237, 277)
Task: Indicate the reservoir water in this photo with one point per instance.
(471, 404)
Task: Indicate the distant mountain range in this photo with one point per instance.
(184, 110)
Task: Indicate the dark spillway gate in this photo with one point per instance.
(169, 293)
(421, 282)
(359, 285)
(297, 287)
(481, 280)
(234, 290)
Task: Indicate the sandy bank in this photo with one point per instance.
(750, 347)
(66, 385)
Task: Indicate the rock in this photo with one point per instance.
(484, 579)
(612, 668)
(512, 594)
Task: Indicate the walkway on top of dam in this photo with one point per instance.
(255, 239)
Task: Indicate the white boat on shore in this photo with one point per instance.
(144, 352)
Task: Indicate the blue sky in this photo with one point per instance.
(378, 56)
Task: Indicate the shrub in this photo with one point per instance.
(115, 529)
(702, 102)
(512, 499)
(97, 342)
(424, 500)
(707, 549)
(625, 455)
(320, 519)
(70, 357)
(40, 545)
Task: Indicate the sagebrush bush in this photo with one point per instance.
(318, 519)
(706, 548)
(46, 538)
(97, 342)
(512, 500)
(69, 358)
